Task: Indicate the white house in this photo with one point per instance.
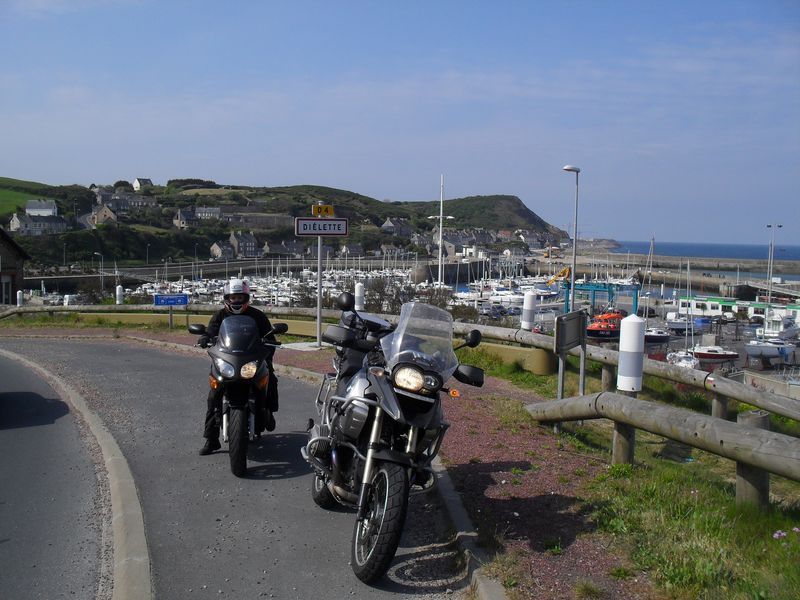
(140, 183)
(41, 208)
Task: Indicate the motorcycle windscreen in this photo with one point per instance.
(423, 337)
(238, 333)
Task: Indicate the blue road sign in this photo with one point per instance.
(170, 299)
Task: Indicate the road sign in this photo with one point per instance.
(170, 299)
(322, 210)
(570, 331)
(306, 226)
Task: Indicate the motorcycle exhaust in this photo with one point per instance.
(341, 494)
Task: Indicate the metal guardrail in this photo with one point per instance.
(721, 387)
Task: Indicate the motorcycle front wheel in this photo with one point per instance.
(376, 537)
(237, 441)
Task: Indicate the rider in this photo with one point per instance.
(236, 298)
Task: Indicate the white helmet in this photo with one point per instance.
(238, 287)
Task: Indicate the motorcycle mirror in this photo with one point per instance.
(197, 329)
(346, 302)
(473, 338)
(279, 328)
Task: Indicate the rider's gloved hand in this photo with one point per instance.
(204, 341)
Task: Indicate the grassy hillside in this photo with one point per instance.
(129, 241)
(16, 192)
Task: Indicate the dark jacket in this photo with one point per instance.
(264, 326)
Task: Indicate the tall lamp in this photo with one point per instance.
(576, 170)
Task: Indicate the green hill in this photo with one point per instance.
(129, 240)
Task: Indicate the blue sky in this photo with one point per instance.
(683, 116)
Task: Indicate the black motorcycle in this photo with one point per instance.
(240, 361)
(381, 422)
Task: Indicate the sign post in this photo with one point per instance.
(570, 333)
(325, 224)
(171, 300)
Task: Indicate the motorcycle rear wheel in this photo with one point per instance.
(321, 494)
(237, 441)
(375, 539)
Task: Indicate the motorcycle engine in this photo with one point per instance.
(353, 420)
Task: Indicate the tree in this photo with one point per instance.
(123, 184)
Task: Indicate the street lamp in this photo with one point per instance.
(770, 262)
(576, 170)
(441, 218)
(102, 286)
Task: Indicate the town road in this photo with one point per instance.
(210, 534)
(50, 510)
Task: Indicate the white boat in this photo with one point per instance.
(770, 348)
(656, 335)
(683, 358)
(713, 354)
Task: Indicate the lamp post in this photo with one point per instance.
(770, 262)
(576, 170)
(102, 286)
(147, 255)
(441, 218)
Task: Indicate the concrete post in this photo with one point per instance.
(20, 298)
(359, 296)
(120, 294)
(631, 354)
(528, 311)
(752, 484)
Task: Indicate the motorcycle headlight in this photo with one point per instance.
(409, 378)
(249, 369)
(225, 368)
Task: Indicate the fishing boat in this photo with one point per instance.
(713, 354)
(605, 326)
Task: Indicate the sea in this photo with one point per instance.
(726, 251)
(701, 250)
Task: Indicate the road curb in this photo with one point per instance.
(131, 571)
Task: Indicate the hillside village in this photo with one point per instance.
(244, 223)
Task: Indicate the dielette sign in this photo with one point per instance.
(320, 227)
(170, 299)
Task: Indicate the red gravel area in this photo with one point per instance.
(535, 512)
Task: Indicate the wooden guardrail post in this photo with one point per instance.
(719, 406)
(623, 444)
(752, 483)
(609, 378)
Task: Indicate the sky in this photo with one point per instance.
(683, 116)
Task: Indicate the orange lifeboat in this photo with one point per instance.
(605, 326)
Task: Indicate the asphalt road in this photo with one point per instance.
(50, 523)
(210, 534)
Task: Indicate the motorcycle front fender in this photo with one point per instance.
(382, 388)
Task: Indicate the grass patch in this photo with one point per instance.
(686, 531)
(587, 589)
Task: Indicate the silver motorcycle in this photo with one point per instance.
(381, 422)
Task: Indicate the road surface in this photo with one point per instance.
(210, 534)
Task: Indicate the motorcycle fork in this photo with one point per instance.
(374, 444)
